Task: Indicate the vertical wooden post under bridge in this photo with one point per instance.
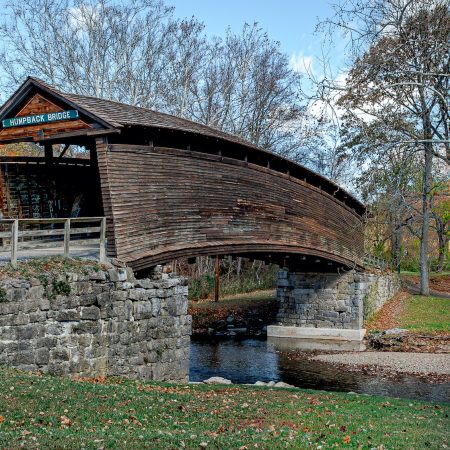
(216, 288)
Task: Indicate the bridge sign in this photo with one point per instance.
(36, 119)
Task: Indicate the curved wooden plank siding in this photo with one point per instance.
(172, 188)
(176, 203)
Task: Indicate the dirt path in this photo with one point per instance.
(439, 285)
(414, 288)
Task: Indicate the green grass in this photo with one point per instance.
(432, 274)
(426, 315)
(53, 413)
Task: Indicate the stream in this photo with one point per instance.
(249, 360)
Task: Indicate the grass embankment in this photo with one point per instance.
(426, 315)
(241, 306)
(416, 313)
(54, 413)
(54, 265)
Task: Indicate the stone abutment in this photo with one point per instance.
(329, 305)
(102, 322)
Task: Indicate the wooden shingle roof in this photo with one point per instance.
(120, 115)
(115, 115)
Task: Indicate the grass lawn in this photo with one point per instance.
(426, 314)
(54, 413)
(432, 274)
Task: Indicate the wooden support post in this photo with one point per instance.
(66, 238)
(216, 290)
(48, 150)
(14, 241)
(64, 150)
(102, 255)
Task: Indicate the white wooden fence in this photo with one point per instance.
(21, 238)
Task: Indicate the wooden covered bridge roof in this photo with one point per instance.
(305, 212)
(116, 115)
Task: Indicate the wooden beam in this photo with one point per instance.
(14, 241)
(67, 238)
(64, 150)
(48, 150)
(103, 240)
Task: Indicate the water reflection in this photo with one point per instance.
(250, 360)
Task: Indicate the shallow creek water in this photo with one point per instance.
(250, 360)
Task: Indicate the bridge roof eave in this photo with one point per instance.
(143, 260)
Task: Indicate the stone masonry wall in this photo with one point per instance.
(108, 324)
(332, 300)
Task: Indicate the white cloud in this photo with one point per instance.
(301, 63)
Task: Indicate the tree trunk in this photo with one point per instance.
(423, 263)
(442, 240)
(396, 246)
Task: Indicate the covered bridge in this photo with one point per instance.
(170, 187)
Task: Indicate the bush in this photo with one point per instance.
(3, 298)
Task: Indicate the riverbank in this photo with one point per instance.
(435, 367)
(236, 315)
(411, 323)
(50, 412)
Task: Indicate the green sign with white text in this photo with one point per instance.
(37, 119)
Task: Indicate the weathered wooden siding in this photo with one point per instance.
(167, 203)
(102, 160)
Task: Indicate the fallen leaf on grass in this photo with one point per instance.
(346, 440)
(65, 422)
(2, 419)
(100, 379)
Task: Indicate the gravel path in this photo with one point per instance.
(421, 363)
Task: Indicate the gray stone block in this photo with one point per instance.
(90, 313)
(68, 315)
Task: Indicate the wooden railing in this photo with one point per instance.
(32, 239)
(39, 160)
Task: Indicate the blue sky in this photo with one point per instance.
(291, 22)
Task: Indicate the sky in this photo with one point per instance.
(291, 22)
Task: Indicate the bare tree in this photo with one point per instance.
(112, 50)
(137, 53)
(398, 79)
(246, 87)
(440, 212)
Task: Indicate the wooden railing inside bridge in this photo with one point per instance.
(20, 234)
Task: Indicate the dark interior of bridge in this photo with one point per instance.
(41, 187)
